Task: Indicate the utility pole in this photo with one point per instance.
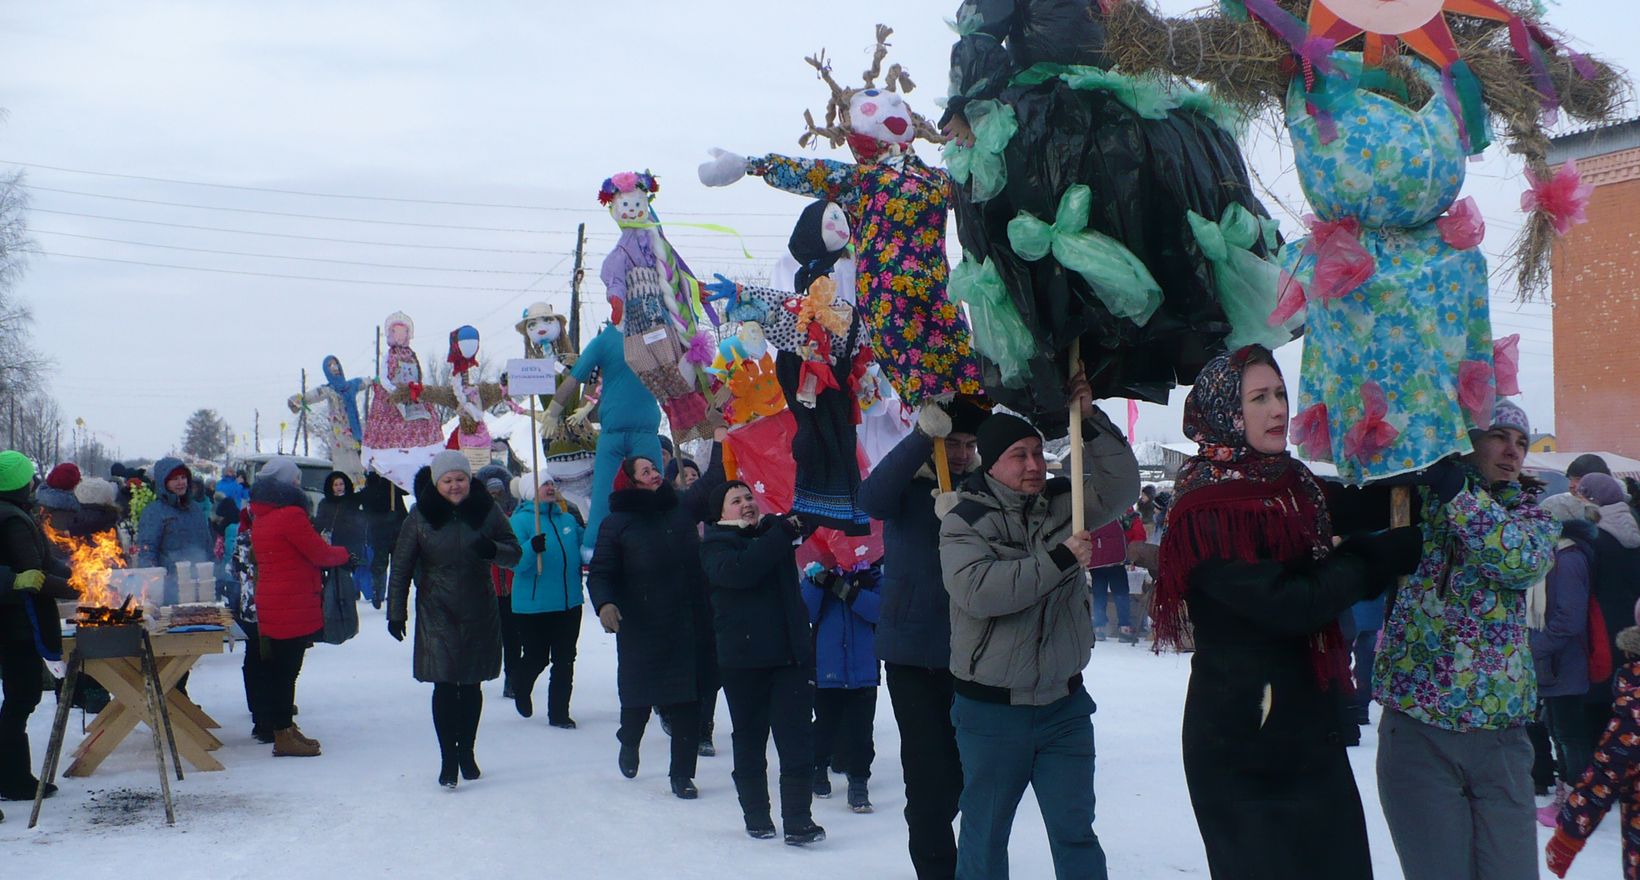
(301, 418)
(575, 288)
(256, 438)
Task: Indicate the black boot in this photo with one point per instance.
(627, 760)
(804, 832)
(684, 788)
(523, 702)
(859, 797)
(822, 782)
(796, 796)
(447, 770)
(472, 708)
(754, 804)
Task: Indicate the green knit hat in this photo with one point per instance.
(16, 471)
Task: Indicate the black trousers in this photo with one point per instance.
(20, 680)
(684, 719)
(933, 767)
(777, 700)
(280, 667)
(512, 647)
(456, 710)
(842, 730)
(253, 673)
(548, 638)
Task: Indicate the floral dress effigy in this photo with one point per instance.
(1385, 361)
(897, 208)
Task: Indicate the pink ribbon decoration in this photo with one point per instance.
(1371, 435)
(1133, 417)
(1462, 225)
(1341, 263)
(1563, 198)
(1506, 364)
(1476, 392)
(1311, 433)
(1290, 299)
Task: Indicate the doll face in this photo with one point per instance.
(467, 347)
(1386, 16)
(752, 340)
(882, 115)
(542, 331)
(333, 368)
(398, 334)
(834, 227)
(630, 206)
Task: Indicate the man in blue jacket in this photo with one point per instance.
(914, 627)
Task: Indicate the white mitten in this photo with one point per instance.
(723, 168)
(945, 502)
(552, 422)
(933, 422)
(295, 403)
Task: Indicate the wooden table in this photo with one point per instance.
(174, 655)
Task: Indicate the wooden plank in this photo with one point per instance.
(124, 683)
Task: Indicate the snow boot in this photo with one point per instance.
(469, 766)
(1547, 813)
(754, 804)
(447, 770)
(803, 833)
(822, 782)
(684, 788)
(627, 760)
(287, 745)
(507, 690)
(304, 737)
(563, 723)
(859, 798)
(524, 703)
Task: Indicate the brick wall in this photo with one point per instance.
(1596, 291)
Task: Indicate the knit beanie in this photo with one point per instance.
(715, 498)
(16, 471)
(64, 476)
(997, 433)
(523, 485)
(1567, 507)
(965, 417)
(449, 460)
(280, 469)
(1585, 464)
(1601, 489)
(1508, 415)
(95, 491)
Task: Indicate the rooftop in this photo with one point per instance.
(1596, 140)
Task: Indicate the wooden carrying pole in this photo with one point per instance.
(1078, 517)
(535, 471)
(942, 465)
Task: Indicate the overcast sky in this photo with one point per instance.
(499, 104)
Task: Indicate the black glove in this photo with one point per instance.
(1445, 479)
(353, 561)
(395, 628)
(1389, 554)
(538, 543)
(791, 523)
(845, 589)
(483, 548)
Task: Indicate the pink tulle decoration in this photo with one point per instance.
(1290, 301)
(1506, 364)
(1476, 392)
(1462, 226)
(626, 181)
(1341, 263)
(1371, 435)
(1563, 198)
(702, 351)
(1312, 434)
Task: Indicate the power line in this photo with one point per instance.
(177, 247)
(291, 235)
(280, 275)
(399, 199)
(290, 214)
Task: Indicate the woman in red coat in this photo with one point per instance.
(289, 556)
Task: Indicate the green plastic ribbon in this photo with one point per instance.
(1148, 97)
(999, 332)
(1246, 283)
(994, 125)
(1118, 278)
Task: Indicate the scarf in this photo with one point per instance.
(460, 363)
(1239, 504)
(347, 389)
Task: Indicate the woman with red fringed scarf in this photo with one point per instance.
(1248, 565)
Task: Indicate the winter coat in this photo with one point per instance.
(1021, 619)
(757, 608)
(95, 519)
(647, 564)
(29, 617)
(1560, 651)
(229, 487)
(1614, 775)
(290, 558)
(172, 529)
(845, 655)
(458, 626)
(915, 625)
(1461, 618)
(341, 518)
(557, 584)
(1616, 579)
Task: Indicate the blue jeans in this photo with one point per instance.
(1005, 748)
(1111, 579)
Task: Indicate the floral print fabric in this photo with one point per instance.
(1614, 777)
(897, 209)
(1455, 652)
(1413, 336)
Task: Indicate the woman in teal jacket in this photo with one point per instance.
(546, 595)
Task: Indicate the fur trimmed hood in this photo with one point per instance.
(661, 500)
(275, 493)
(1628, 641)
(438, 511)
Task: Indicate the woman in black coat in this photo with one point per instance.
(766, 658)
(447, 545)
(646, 584)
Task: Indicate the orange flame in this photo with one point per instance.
(92, 561)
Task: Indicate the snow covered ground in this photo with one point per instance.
(553, 804)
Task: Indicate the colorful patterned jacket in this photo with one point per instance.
(1455, 652)
(1614, 777)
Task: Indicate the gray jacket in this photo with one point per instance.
(1021, 619)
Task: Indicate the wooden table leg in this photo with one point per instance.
(124, 682)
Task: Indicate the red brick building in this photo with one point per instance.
(1596, 290)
